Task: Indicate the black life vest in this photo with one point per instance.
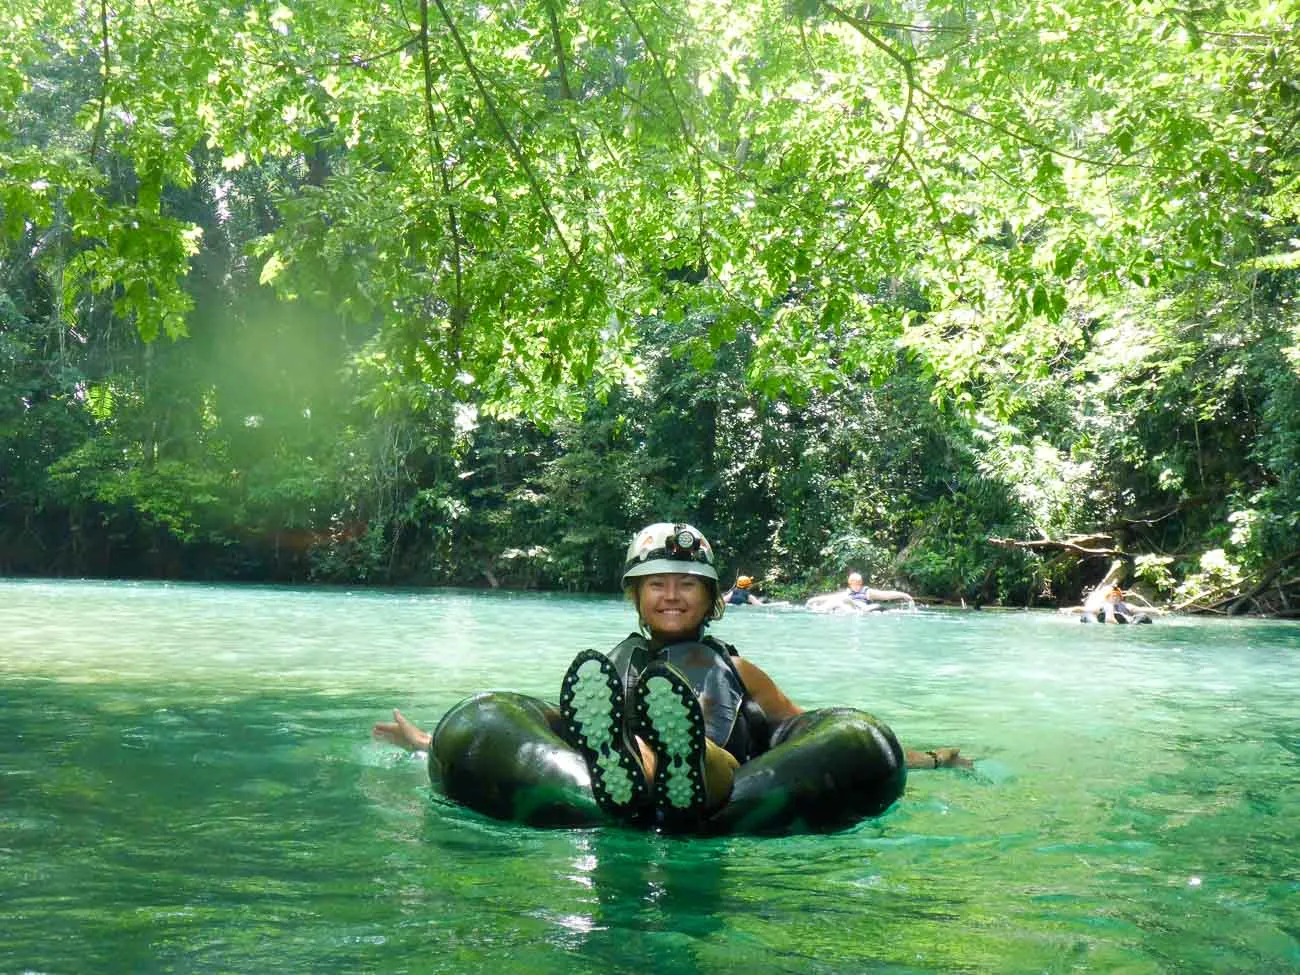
(732, 718)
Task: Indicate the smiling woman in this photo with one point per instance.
(673, 606)
(673, 729)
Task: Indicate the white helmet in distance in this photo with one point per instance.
(668, 548)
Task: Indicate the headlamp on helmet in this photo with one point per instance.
(683, 543)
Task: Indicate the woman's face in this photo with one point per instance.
(673, 606)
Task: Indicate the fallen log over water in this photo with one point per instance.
(1263, 594)
(1272, 591)
(1103, 545)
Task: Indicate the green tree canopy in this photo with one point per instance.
(1057, 222)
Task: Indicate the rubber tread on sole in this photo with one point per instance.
(592, 708)
(670, 720)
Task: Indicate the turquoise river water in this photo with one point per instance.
(187, 784)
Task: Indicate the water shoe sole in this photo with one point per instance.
(670, 720)
(592, 708)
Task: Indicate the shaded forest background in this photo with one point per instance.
(972, 299)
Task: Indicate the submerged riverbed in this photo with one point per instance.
(187, 784)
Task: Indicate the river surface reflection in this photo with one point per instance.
(187, 784)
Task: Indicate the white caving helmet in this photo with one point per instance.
(666, 548)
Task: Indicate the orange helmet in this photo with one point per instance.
(744, 582)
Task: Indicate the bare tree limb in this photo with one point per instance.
(1078, 544)
(1265, 579)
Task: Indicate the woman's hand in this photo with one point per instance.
(950, 758)
(402, 733)
(938, 758)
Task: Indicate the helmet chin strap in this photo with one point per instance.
(640, 620)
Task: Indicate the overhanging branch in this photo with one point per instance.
(533, 182)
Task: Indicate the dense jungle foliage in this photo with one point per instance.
(972, 298)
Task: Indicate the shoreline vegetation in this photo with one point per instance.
(1238, 604)
(332, 295)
